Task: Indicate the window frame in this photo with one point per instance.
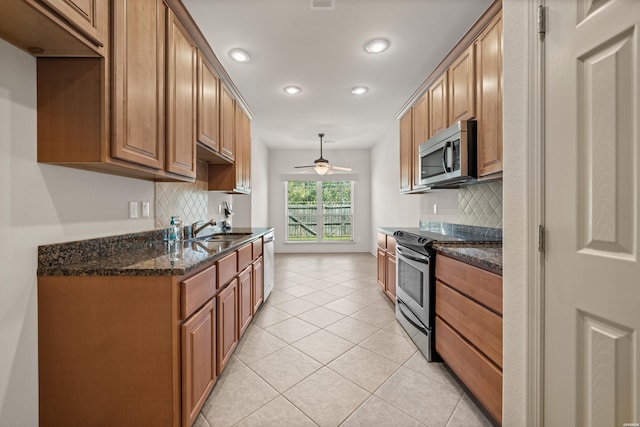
(319, 213)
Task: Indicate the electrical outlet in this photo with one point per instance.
(145, 209)
(133, 210)
(435, 208)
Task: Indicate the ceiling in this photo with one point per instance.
(323, 53)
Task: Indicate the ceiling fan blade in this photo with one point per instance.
(308, 166)
(341, 168)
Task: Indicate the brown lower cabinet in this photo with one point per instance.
(469, 328)
(245, 305)
(227, 323)
(141, 350)
(387, 265)
(199, 372)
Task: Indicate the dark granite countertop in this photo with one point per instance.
(478, 246)
(138, 254)
(487, 256)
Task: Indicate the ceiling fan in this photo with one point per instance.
(321, 165)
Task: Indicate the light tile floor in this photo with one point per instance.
(325, 350)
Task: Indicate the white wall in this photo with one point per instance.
(41, 204)
(259, 184)
(516, 217)
(282, 162)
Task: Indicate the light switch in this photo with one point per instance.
(133, 210)
(145, 209)
(435, 208)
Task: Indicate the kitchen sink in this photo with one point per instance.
(226, 237)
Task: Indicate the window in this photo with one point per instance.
(319, 211)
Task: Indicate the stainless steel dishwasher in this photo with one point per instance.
(269, 279)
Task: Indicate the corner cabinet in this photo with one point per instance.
(406, 152)
(235, 177)
(489, 92)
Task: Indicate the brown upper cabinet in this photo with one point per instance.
(138, 64)
(438, 112)
(227, 124)
(462, 87)
(420, 111)
(235, 177)
(406, 151)
(208, 104)
(182, 56)
(84, 15)
(466, 85)
(489, 108)
(56, 27)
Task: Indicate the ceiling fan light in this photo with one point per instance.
(377, 45)
(239, 55)
(292, 90)
(359, 90)
(321, 170)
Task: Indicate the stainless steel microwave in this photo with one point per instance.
(449, 158)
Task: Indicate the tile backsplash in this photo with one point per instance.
(481, 204)
(187, 200)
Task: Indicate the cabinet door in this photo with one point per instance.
(489, 101)
(245, 305)
(462, 87)
(227, 324)
(208, 104)
(406, 150)
(227, 130)
(89, 17)
(420, 134)
(258, 285)
(138, 112)
(438, 112)
(391, 277)
(198, 360)
(239, 161)
(382, 269)
(181, 100)
(246, 141)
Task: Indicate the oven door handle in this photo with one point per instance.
(418, 258)
(403, 310)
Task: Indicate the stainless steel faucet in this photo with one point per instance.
(195, 228)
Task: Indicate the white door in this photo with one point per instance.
(592, 271)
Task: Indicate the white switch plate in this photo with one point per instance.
(435, 208)
(145, 209)
(133, 210)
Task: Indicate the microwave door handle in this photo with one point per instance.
(445, 157)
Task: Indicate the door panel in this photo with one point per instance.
(591, 264)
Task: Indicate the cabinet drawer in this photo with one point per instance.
(382, 240)
(481, 376)
(476, 283)
(244, 256)
(227, 269)
(481, 327)
(257, 248)
(196, 290)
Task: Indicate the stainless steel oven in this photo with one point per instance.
(415, 291)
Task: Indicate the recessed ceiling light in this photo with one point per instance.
(239, 55)
(377, 45)
(359, 90)
(292, 90)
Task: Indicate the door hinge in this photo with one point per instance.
(542, 22)
(541, 231)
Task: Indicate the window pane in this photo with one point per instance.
(336, 210)
(302, 210)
